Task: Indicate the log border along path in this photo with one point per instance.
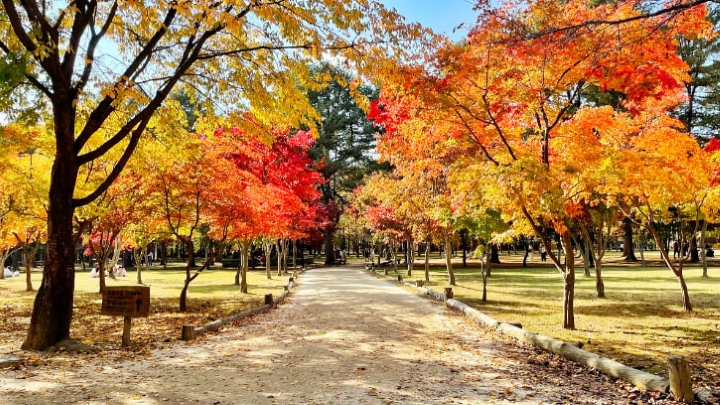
(344, 337)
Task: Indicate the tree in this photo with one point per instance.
(346, 142)
(218, 47)
(513, 98)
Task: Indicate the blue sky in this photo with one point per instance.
(440, 15)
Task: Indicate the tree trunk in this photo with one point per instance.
(29, 258)
(694, 256)
(268, 251)
(677, 271)
(703, 255)
(448, 262)
(245, 246)
(409, 257)
(568, 285)
(599, 283)
(183, 296)
(586, 257)
(494, 254)
(427, 261)
(483, 270)
(329, 251)
(53, 307)
(685, 295)
(628, 247)
(191, 259)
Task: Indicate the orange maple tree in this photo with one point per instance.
(513, 103)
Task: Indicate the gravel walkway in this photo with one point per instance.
(342, 337)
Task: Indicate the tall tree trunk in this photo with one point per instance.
(599, 283)
(53, 307)
(186, 285)
(628, 246)
(29, 258)
(568, 284)
(329, 251)
(687, 306)
(245, 246)
(587, 255)
(294, 249)
(448, 261)
(410, 257)
(676, 269)
(427, 261)
(183, 295)
(703, 255)
(484, 266)
(268, 250)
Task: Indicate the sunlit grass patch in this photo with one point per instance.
(211, 296)
(640, 322)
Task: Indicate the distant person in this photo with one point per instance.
(150, 258)
(543, 253)
(119, 271)
(8, 273)
(676, 249)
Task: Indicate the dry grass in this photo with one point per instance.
(211, 296)
(640, 322)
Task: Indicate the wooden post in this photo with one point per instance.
(386, 271)
(188, 332)
(448, 293)
(126, 331)
(268, 299)
(679, 374)
(419, 283)
(291, 279)
(286, 288)
(294, 274)
(400, 279)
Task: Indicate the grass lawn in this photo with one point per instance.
(212, 295)
(640, 322)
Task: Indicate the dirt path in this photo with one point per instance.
(343, 337)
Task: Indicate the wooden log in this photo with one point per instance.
(268, 299)
(448, 293)
(127, 324)
(679, 372)
(10, 362)
(473, 313)
(610, 367)
(286, 287)
(419, 283)
(188, 332)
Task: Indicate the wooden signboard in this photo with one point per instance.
(131, 301)
(127, 302)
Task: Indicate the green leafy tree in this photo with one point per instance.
(346, 143)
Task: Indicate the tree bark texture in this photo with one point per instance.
(568, 284)
(448, 262)
(679, 374)
(53, 306)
